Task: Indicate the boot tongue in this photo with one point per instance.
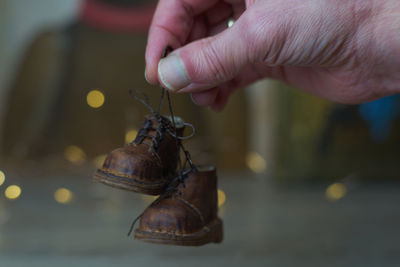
(168, 123)
(147, 132)
(176, 185)
(192, 178)
(150, 126)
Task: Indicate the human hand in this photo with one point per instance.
(342, 50)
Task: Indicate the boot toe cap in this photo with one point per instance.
(132, 161)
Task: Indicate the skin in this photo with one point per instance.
(346, 51)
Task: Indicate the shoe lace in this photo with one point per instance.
(170, 191)
(156, 136)
(165, 125)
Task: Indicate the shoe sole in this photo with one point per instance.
(211, 233)
(130, 184)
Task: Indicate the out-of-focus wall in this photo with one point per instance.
(245, 129)
(263, 114)
(20, 21)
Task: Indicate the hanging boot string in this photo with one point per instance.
(171, 188)
(161, 119)
(179, 177)
(163, 125)
(173, 185)
(166, 51)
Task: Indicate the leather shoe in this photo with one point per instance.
(147, 164)
(186, 213)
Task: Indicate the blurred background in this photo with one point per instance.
(302, 181)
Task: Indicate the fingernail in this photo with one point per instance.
(194, 101)
(145, 75)
(172, 73)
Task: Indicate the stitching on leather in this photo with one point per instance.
(125, 180)
(193, 207)
(205, 229)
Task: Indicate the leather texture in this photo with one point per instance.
(143, 162)
(186, 216)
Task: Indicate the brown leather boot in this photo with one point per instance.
(187, 214)
(147, 164)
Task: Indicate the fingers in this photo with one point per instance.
(205, 98)
(218, 13)
(172, 23)
(218, 28)
(205, 63)
(212, 22)
(216, 98)
(212, 61)
(199, 29)
(221, 100)
(307, 36)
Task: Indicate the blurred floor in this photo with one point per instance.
(265, 225)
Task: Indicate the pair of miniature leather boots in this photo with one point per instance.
(185, 213)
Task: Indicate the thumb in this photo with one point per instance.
(206, 63)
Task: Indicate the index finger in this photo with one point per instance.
(171, 25)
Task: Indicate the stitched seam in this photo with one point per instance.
(205, 229)
(128, 180)
(193, 207)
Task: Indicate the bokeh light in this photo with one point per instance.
(335, 191)
(95, 99)
(221, 197)
(255, 162)
(74, 154)
(130, 135)
(2, 177)
(63, 195)
(13, 192)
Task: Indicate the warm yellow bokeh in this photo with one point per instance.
(221, 197)
(12, 192)
(255, 162)
(130, 135)
(2, 177)
(63, 195)
(75, 154)
(95, 99)
(335, 191)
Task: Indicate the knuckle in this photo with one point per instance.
(264, 37)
